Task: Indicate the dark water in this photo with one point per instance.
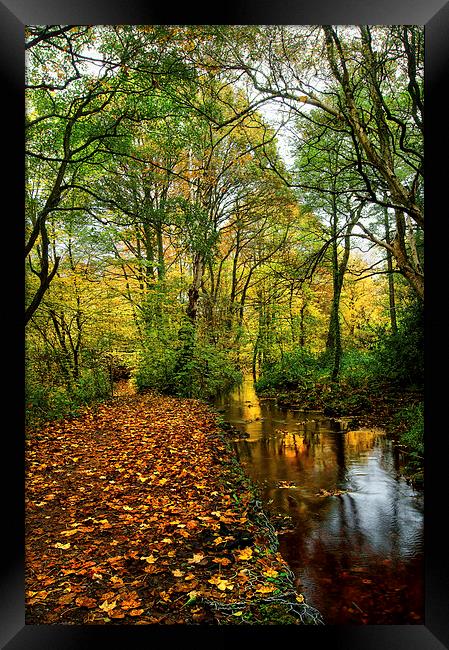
(357, 556)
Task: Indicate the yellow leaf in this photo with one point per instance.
(271, 573)
(221, 583)
(237, 613)
(149, 558)
(266, 589)
(66, 600)
(67, 533)
(107, 606)
(300, 598)
(246, 554)
(165, 596)
(63, 546)
(197, 557)
(177, 573)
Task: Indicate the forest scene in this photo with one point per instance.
(224, 310)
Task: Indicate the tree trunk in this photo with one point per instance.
(194, 290)
(414, 277)
(334, 347)
(391, 295)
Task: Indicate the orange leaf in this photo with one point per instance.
(266, 589)
(84, 601)
(271, 573)
(135, 612)
(117, 613)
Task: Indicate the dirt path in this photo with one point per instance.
(137, 512)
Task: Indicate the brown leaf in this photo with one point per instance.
(66, 599)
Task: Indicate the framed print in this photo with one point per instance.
(226, 255)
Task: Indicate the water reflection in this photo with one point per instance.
(358, 556)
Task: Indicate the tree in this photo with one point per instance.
(368, 81)
(69, 124)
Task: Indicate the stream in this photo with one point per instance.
(351, 528)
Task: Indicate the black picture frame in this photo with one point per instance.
(14, 15)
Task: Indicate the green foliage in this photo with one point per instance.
(155, 366)
(408, 425)
(188, 367)
(45, 402)
(297, 369)
(306, 380)
(356, 368)
(161, 171)
(399, 358)
(412, 436)
(394, 360)
(206, 373)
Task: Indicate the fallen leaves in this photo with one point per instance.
(66, 599)
(271, 573)
(245, 554)
(266, 589)
(107, 606)
(221, 583)
(142, 524)
(84, 601)
(178, 573)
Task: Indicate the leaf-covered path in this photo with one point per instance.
(137, 512)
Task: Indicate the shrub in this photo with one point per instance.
(356, 369)
(297, 369)
(411, 421)
(155, 367)
(408, 425)
(53, 402)
(399, 358)
(187, 367)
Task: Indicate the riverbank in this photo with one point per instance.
(138, 512)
